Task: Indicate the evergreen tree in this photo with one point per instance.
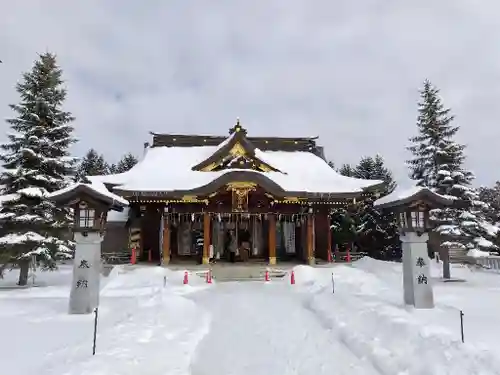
(381, 172)
(343, 226)
(126, 163)
(36, 162)
(374, 231)
(92, 164)
(438, 163)
(377, 232)
(364, 169)
(342, 222)
(491, 196)
(346, 170)
(370, 168)
(431, 147)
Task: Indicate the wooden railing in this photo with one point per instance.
(116, 258)
(492, 262)
(341, 256)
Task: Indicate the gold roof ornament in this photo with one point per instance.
(237, 128)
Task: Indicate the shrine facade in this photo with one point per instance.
(236, 198)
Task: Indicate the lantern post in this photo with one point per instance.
(90, 206)
(412, 208)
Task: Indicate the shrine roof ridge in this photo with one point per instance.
(263, 143)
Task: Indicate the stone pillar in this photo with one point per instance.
(206, 238)
(417, 283)
(166, 241)
(310, 240)
(271, 218)
(445, 257)
(84, 295)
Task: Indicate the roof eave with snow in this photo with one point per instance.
(403, 197)
(95, 191)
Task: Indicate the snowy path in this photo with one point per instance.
(262, 328)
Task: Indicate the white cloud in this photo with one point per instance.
(346, 71)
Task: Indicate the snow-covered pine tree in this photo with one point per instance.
(381, 172)
(36, 161)
(429, 147)
(92, 164)
(377, 232)
(438, 163)
(346, 170)
(364, 169)
(373, 231)
(491, 196)
(126, 163)
(342, 220)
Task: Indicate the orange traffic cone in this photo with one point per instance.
(133, 257)
(292, 278)
(348, 257)
(267, 275)
(185, 281)
(209, 277)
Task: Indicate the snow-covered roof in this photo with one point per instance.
(95, 189)
(170, 169)
(405, 196)
(117, 216)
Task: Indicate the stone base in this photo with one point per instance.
(452, 280)
(311, 261)
(272, 261)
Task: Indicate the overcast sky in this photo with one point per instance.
(348, 71)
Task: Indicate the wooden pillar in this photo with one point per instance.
(272, 238)
(166, 241)
(329, 239)
(310, 240)
(206, 239)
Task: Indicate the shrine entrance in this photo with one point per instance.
(235, 237)
(239, 238)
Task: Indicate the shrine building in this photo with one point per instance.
(231, 198)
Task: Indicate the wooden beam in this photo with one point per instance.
(206, 239)
(272, 238)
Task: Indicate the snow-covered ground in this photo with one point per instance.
(254, 327)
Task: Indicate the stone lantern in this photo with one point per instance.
(90, 204)
(411, 208)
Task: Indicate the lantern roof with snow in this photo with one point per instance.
(89, 192)
(401, 199)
